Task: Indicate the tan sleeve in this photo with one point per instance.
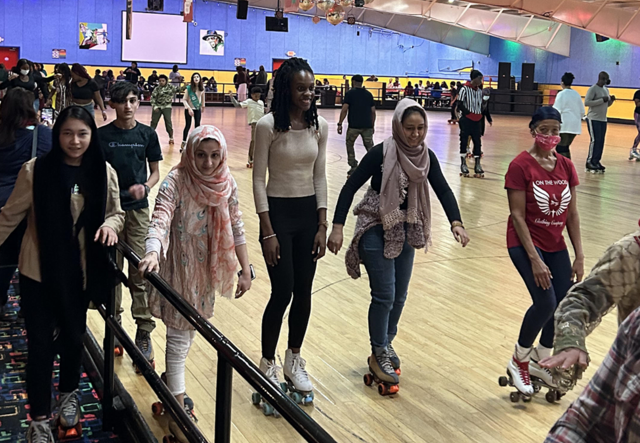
(19, 203)
(114, 215)
(320, 167)
(612, 281)
(264, 138)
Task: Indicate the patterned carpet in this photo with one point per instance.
(14, 410)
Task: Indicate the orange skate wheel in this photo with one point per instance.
(118, 351)
(157, 408)
(394, 389)
(398, 372)
(368, 379)
(382, 389)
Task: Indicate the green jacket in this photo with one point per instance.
(162, 96)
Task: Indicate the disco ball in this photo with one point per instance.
(335, 15)
(345, 3)
(325, 5)
(305, 5)
(315, 19)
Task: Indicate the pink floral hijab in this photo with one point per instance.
(214, 192)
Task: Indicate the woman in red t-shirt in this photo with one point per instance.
(542, 200)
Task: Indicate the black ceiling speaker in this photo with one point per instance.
(276, 24)
(243, 7)
(155, 5)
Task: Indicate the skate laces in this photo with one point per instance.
(272, 372)
(384, 360)
(523, 370)
(142, 341)
(39, 432)
(391, 352)
(298, 368)
(69, 403)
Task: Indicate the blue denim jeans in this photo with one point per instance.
(389, 281)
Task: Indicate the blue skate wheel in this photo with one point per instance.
(267, 409)
(283, 386)
(255, 398)
(311, 396)
(297, 397)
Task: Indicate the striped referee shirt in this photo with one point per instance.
(470, 102)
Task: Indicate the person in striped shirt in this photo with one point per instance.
(470, 105)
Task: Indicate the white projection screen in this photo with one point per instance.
(155, 38)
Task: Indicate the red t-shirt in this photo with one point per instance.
(548, 195)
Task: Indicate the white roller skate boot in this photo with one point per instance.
(519, 372)
(39, 432)
(295, 373)
(271, 370)
(536, 371)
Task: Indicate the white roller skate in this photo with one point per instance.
(68, 417)
(543, 378)
(518, 377)
(39, 432)
(634, 156)
(298, 383)
(272, 371)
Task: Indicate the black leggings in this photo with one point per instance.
(42, 315)
(295, 222)
(470, 128)
(197, 114)
(9, 253)
(540, 314)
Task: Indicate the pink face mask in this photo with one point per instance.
(547, 142)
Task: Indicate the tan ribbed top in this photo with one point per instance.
(296, 161)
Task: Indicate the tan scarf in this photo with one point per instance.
(399, 157)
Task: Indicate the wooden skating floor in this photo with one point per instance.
(460, 322)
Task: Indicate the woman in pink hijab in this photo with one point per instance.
(195, 241)
(394, 219)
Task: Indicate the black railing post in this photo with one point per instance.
(223, 400)
(109, 345)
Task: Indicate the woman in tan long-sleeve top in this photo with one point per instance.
(71, 201)
(291, 144)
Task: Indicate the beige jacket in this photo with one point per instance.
(20, 205)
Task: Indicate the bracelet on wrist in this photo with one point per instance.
(324, 223)
(457, 224)
(267, 237)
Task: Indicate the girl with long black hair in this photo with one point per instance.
(21, 138)
(70, 198)
(193, 102)
(291, 144)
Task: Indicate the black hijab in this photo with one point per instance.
(60, 257)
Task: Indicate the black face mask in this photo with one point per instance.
(608, 82)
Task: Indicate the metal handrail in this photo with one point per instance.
(229, 357)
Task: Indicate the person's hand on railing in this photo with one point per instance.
(107, 236)
(150, 263)
(244, 284)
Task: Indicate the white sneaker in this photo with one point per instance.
(271, 370)
(294, 371)
(519, 372)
